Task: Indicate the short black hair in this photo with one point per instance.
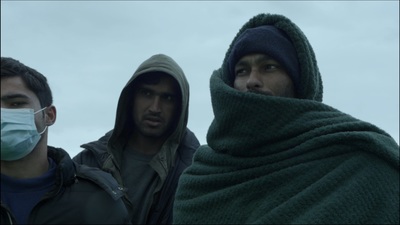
(151, 77)
(34, 80)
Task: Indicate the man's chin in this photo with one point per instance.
(151, 132)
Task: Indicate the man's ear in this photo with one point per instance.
(51, 115)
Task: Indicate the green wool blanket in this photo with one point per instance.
(274, 160)
(278, 160)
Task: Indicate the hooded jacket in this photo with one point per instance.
(276, 160)
(174, 156)
(82, 195)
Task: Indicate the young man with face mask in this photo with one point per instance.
(150, 144)
(276, 154)
(41, 184)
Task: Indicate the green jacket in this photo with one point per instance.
(82, 195)
(274, 160)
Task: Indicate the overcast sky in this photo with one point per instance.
(89, 49)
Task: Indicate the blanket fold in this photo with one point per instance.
(332, 169)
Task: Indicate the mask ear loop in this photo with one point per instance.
(40, 110)
(44, 130)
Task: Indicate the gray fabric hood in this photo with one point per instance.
(156, 63)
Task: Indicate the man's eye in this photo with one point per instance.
(169, 98)
(240, 72)
(16, 104)
(145, 93)
(271, 67)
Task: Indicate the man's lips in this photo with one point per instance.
(153, 120)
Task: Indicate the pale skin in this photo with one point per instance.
(262, 74)
(15, 94)
(154, 108)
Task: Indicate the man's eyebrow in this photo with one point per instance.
(241, 62)
(13, 96)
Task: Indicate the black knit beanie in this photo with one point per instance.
(267, 40)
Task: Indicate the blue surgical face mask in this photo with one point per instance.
(19, 135)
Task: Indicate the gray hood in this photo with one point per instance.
(156, 63)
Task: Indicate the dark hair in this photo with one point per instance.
(150, 78)
(34, 80)
(153, 78)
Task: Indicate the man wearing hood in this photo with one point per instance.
(150, 144)
(276, 154)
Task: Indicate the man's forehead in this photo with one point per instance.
(14, 85)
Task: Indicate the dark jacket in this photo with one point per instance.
(96, 155)
(277, 160)
(174, 156)
(82, 195)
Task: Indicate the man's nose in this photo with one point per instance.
(155, 104)
(254, 82)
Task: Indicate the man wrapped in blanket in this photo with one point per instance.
(276, 154)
